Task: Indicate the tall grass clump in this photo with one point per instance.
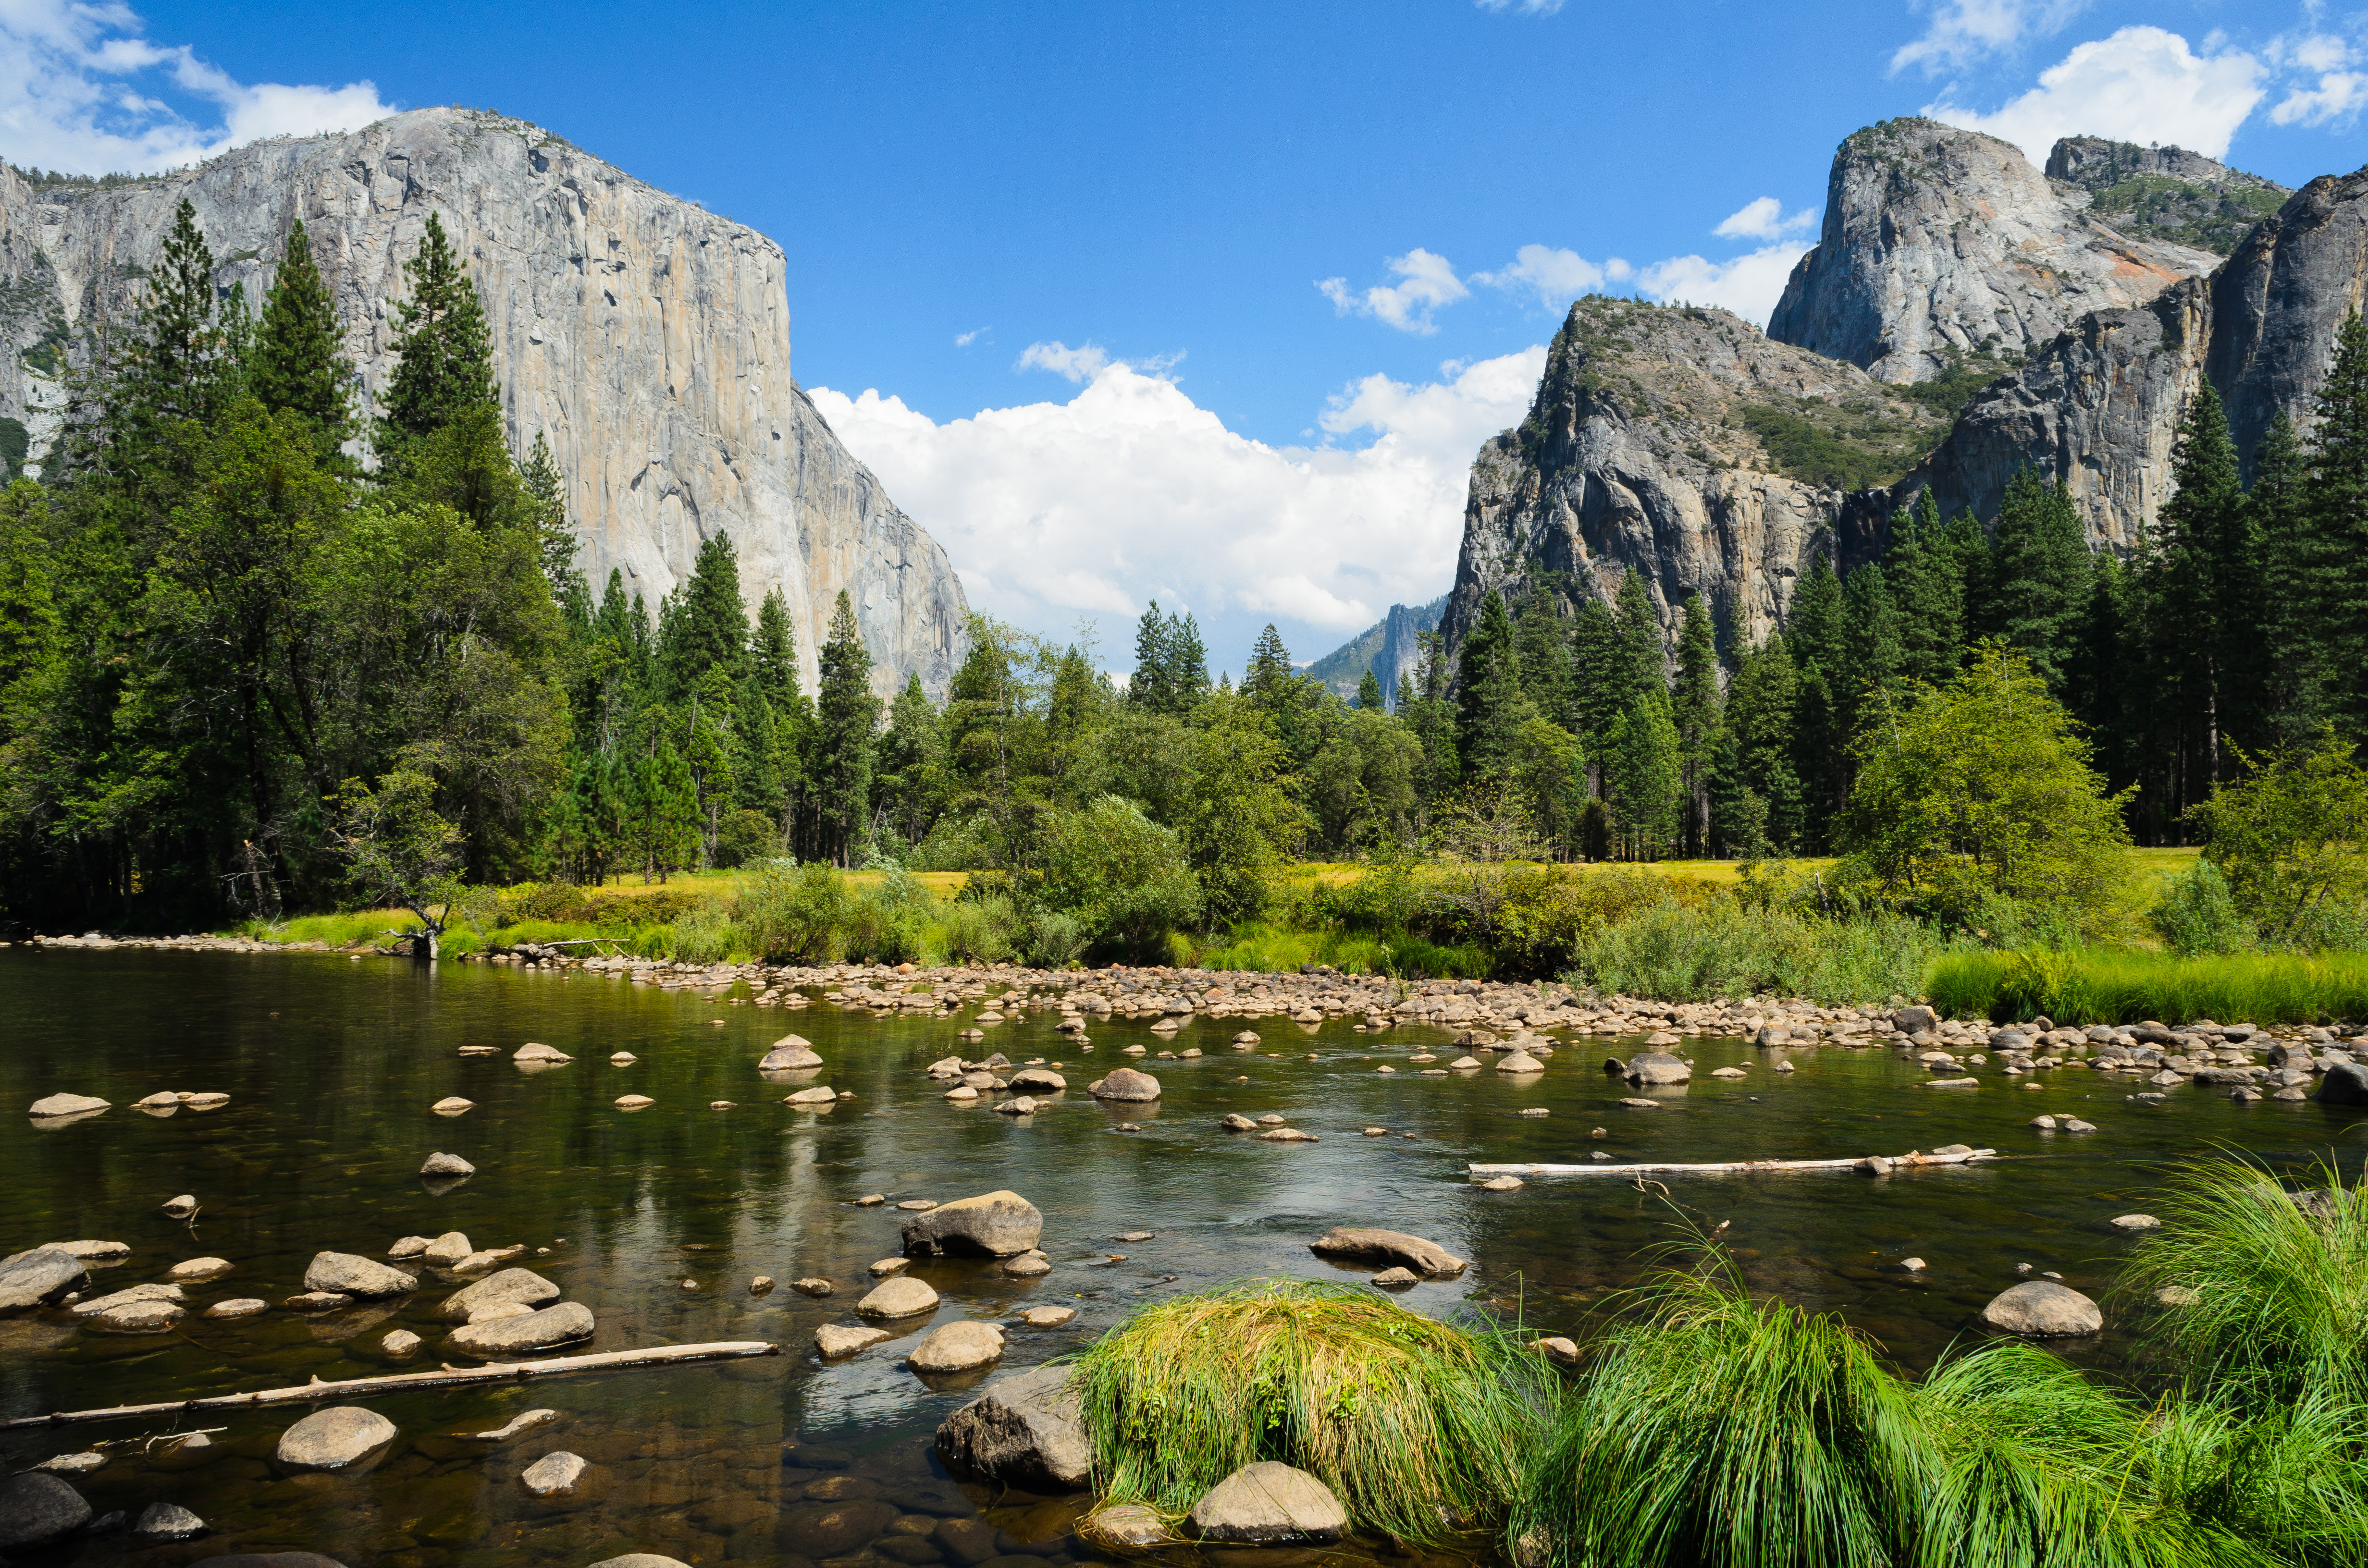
(2286, 1482)
(1420, 1428)
(2109, 985)
(1721, 948)
(1722, 1431)
(2279, 1309)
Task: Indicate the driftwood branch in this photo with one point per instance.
(1743, 1167)
(446, 1377)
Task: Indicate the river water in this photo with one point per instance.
(332, 1067)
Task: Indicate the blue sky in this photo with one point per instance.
(1212, 303)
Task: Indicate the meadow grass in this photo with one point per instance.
(1674, 953)
(1264, 947)
(1420, 1428)
(2121, 985)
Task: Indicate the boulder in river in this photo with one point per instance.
(197, 1270)
(401, 1342)
(903, 1297)
(1359, 1243)
(443, 1164)
(167, 1521)
(1125, 1529)
(1041, 1079)
(67, 1105)
(238, 1307)
(958, 1348)
(1023, 1430)
(148, 1316)
(2042, 1308)
(1268, 1504)
(349, 1274)
(335, 1439)
(180, 1207)
(1519, 1061)
(510, 1336)
(2346, 1083)
(510, 1285)
(535, 1051)
(818, 1096)
(1126, 1085)
(453, 1105)
(36, 1507)
(446, 1249)
(554, 1475)
(791, 1053)
(1658, 1067)
(834, 1340)
(38, 1276)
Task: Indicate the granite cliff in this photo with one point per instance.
(1390, 648)
(646, 337)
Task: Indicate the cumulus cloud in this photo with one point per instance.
(1763, 219)
(1078, 364)
(2140, 84)
(1425, 283)
(1130, 491)
(1961, 31)
(1554, 276)
(81, 89)
(2330, 94)
(1748, 285)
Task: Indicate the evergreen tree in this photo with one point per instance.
(2291, 705)
(1429, 713)
(1488, 698)
(663, 813)
(176, 367)
(774, 651)
(2333, 581)
(2035, 581)
(1368, 692)
(1645, 777)
(1269, 680)
(1926, 576)
(846, 714)
(1548, 679)
(1817, 638)
(1643, 669)
(444, 359)
(1150, 684)
(295, 363)
(704, 622)
(1694, 708)
(910, 772)
(547, 490)
(1762, 788)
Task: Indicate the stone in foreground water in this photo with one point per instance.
(993, 1224)
(36, 1507)
(335, 1439)
(1268, 1503)
(1023, 1430)
(2042, 1308)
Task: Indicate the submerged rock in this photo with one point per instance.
(38, 1276)
(1023, 1430)
(1125, 1527)
(834, 1340)
(36, 1507)
(197, 1270)
(553, 1475)
(334, 1438)
(167, 1522)
(1268, 1503)
(1359, 1243)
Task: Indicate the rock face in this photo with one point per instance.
(334, 1438)
(1268, 1504)
(2163, 193)
(994, 1224)
(1025, 1430)
(1939, 245)
(647, 338)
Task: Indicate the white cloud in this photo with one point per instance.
(1748, 285)
(1130, 491)
(1077, 364)
(965, 339)
(1555, 276)
(80, 86)
(1525, 7)
(1425, 283)
(1963, 30)
(2334, 97)
(2140, 84)
(1763, 219)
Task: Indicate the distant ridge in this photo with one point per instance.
(1387, 647)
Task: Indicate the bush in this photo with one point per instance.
(1120, 876)
(2196, 915)
(790, 914)
(745, 838)
(1723, 948)
(2292, 836)
(984, 929)
(705, 934)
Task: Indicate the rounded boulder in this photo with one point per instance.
(335, 1439)
(1268, 1504)
(2042, 1308)
(1128, 1086)
(993, 1224)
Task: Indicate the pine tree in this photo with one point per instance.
(1694, 708)
(1488, 700)
(1643, 668)
(846, 715)
(2194, 572)
(547, 488)
(2333, 584)
(1645, 777)
(1270, 681)
(910, 769)
(1188, 664)
(774, 651)
(444, 353)
(295, 363)
(1368, 692)
(175, 368)
(1548, 680)
(704, 622)
(1601, 684)
(1817, 638)
(1760, 704)
(2273, 509)
(1428, 712)
(2036, 579)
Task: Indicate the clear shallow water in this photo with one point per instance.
(332, 1067)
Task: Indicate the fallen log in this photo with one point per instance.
(1872, 1164)
(396, 1382)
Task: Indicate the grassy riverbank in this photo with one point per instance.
(2124, 987)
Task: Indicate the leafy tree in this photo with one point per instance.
(1239, 821)
(1547, 769)
(295, 363)
(2291, 835)
(1122, 874)
(397, 850)
(846, 714)
(1983, 787)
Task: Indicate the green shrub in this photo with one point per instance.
(1121, 877)
(886, 921)
(705, 934)
(2196, 913)
(744, 838)
(790, 914)
(1421, 1429)
(985, 929)
(1725, 948)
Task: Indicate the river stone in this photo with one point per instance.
(171, 1294)
(443, 1164)
(1237, 1123)
(791, 1053)
(1502, 1183)
(834, 1340)
(512, 1336)
(818, 1095)
(1125, 1084)
(814, 1287)
(1023, 1430)
(1125, 1527)
(902, 1296)
(1359, 1243)
(38, 1276)
(2346, 1083)
(197, 1270)
(630, 1560)
(1022, 1106)
(1520, 1062)
(553, 1475)
(400, 1342)
(136, 1317)
(2138, 1222)
(993, 1224)
(446, 1249)
(1268, 1503)
(510, 1285)
(1048, 1317)
(408, 1246)
(2043, 1308)
(494, 1312)
(317, 1301)
(179, 1208)
(67, 1105)
(36, 1507)
(334, 1438)
(73, 1464)
(167, 1522)
(1658, 1067)
(635, 1102)
(535, 1051)
(453, 1105)
(348, 1274)
(1395, 1279)
(820, 1531)
(238, 1307)
(958, 1348)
